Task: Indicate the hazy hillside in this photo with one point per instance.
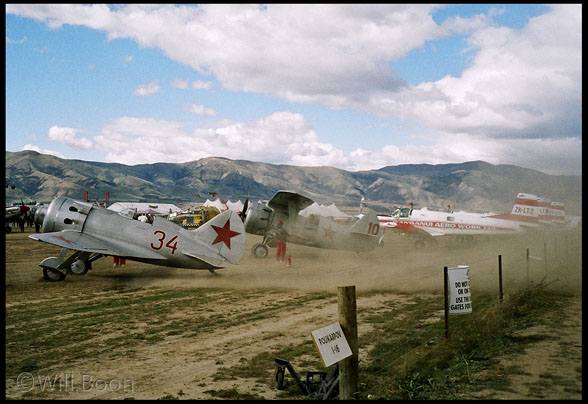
(476, 185)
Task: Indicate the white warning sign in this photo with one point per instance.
(331, 344)
(459, 290)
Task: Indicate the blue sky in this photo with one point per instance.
(356, 87)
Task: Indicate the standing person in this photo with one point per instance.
(281, 236)
(116, 261)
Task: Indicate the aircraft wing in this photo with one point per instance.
(75, 240)
(282, 200)
(433, 232)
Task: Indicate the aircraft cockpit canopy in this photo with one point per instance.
(402, 212)
(128, 212)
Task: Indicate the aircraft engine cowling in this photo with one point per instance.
(257, 218)
(40, 214)
(64, 213)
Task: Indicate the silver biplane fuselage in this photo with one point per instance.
(346, 233)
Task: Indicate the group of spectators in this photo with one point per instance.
(22, 221)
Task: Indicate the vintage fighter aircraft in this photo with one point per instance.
(424, 222)
(12, 212)
(15, 212)
(349, 233)
(94, 232)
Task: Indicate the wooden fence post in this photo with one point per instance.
(527, 267)
(446, 300)
(545, 255)
(348, 367)
(500, 276)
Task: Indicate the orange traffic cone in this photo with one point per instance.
(289, 262)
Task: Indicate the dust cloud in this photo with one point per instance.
(397, 266)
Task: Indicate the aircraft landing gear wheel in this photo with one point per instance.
(259, 251)
(272, 242)
(79, 267)
(419, 244)
(52, 275)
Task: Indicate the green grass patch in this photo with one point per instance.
(115, 322)
(416, 361)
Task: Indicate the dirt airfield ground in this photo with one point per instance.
(256, 307)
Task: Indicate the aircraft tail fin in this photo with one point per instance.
(557, 212)
(544, 217)
(526, 205)
(525, 209)
(369, 225)
(223, 239)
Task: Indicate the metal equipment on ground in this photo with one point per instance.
(316, 386)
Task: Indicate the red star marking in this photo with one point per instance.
(329, 233)
(224, 234)
(62, 238)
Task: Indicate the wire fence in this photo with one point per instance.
(543, 261)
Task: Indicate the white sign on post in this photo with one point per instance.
(459, 290)
(331, 344)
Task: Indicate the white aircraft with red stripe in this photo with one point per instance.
(523, 217)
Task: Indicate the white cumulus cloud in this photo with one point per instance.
(145, 90)
(201, 85)
(523, 82)
(286, 138)
(42, 151)
(69, 137)
(201, 110)
(180, 83)
(521, 91)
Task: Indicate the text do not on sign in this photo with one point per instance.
(459, 290)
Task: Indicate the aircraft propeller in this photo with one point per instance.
(244, 211)
(23, 208)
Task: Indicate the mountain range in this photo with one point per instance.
(474, 186)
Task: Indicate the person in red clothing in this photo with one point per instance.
(116, 261)
(281, 236)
